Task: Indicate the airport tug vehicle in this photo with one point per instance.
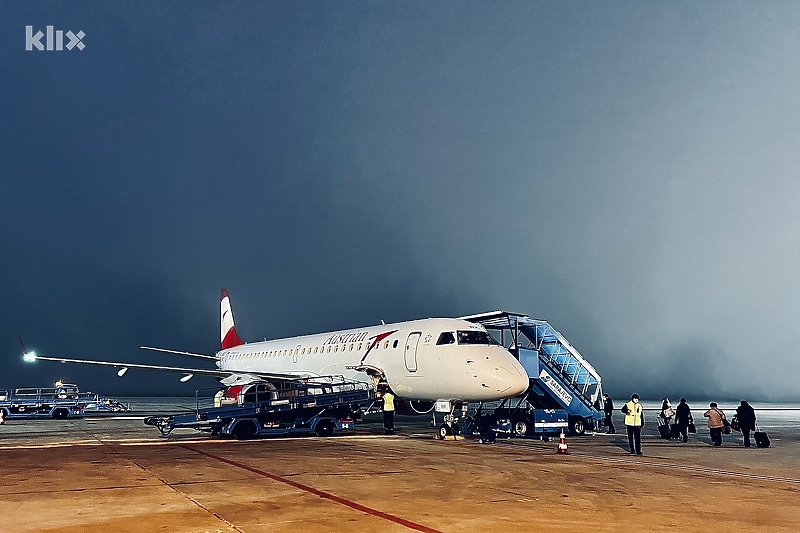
(318, 405)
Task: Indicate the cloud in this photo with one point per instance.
(616, 171)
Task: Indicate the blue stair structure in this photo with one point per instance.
(560, 377)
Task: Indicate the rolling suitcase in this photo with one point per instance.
(663, 430)
(762, 441)
(675, 431)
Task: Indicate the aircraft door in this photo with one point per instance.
(410, 354)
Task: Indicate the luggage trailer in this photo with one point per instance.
(319, 405)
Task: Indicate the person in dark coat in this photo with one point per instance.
(747, 421)
(683, 417)
(664, 418)
(608, 410)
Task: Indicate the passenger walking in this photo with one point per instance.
(683, 417)
(666, 410)
(716, 423)
(634, 422)
(608, 410)
(664, 419)
(388, 412)
(747, 421)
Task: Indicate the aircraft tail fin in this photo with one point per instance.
(228, 336)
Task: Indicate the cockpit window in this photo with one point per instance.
(446, 337)
(474, 337)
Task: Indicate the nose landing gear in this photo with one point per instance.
(450, 429)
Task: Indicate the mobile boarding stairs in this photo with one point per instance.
(560, 377)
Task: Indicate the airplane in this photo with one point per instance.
(422, 361)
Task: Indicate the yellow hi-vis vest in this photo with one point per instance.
(634, 416)
(388, 402)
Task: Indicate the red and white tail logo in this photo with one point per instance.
(228, 336)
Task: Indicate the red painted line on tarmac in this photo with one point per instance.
(320, 493)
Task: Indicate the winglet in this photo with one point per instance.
(228, 336)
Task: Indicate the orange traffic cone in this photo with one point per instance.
(562, 443)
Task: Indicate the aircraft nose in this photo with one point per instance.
(511, 379)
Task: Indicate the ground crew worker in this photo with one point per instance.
(388, 412)
(634, 422)
(608, 411)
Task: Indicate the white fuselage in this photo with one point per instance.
(431, 359)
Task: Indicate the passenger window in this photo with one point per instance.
(385, 345)
(359, 346)
(395, 344)
(446, 337)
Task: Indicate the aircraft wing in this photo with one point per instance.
(31, 357)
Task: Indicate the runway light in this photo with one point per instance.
(186, 378)
(29, 357)
(122, 371)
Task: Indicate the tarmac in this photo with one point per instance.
(116, 474)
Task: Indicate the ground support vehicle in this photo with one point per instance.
(105, 405)
(520, 420)
(260, 408)
(560, 377)
(61, 401)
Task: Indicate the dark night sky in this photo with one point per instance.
(626, 170)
